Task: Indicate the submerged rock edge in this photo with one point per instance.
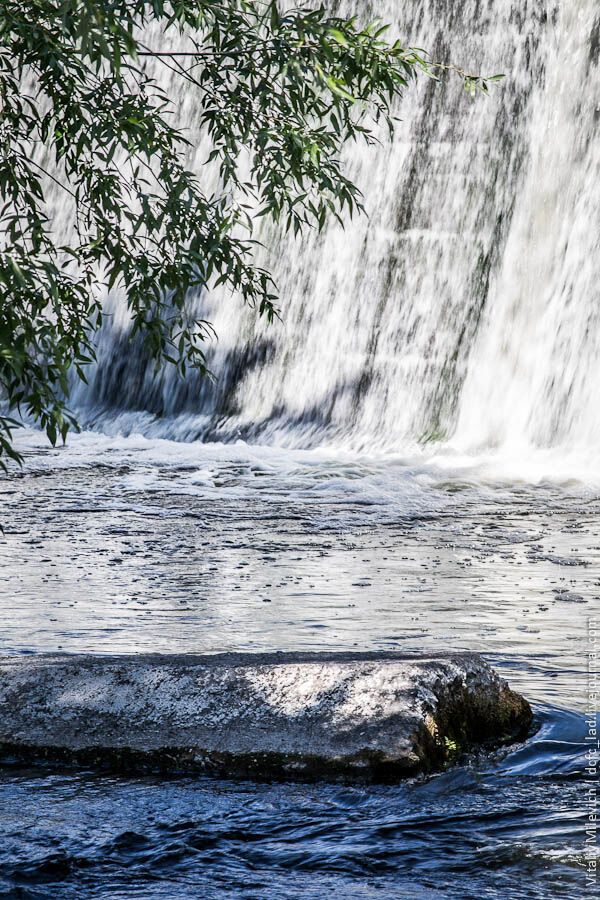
(370, 716)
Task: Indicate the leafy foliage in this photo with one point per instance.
(278, 92)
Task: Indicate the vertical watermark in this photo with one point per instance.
(592, 754)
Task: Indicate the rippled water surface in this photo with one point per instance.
(498, 828)
(119, 545)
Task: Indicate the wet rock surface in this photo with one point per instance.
(374, 716)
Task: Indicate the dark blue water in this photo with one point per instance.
(507, 826)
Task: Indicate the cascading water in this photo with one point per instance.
(465, 305)
(533, 376)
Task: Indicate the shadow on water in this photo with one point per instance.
(509, 825)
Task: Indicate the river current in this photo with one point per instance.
(129, 544)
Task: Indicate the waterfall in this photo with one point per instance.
(464, 307)
(533, 376)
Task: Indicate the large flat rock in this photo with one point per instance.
(290, 715)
